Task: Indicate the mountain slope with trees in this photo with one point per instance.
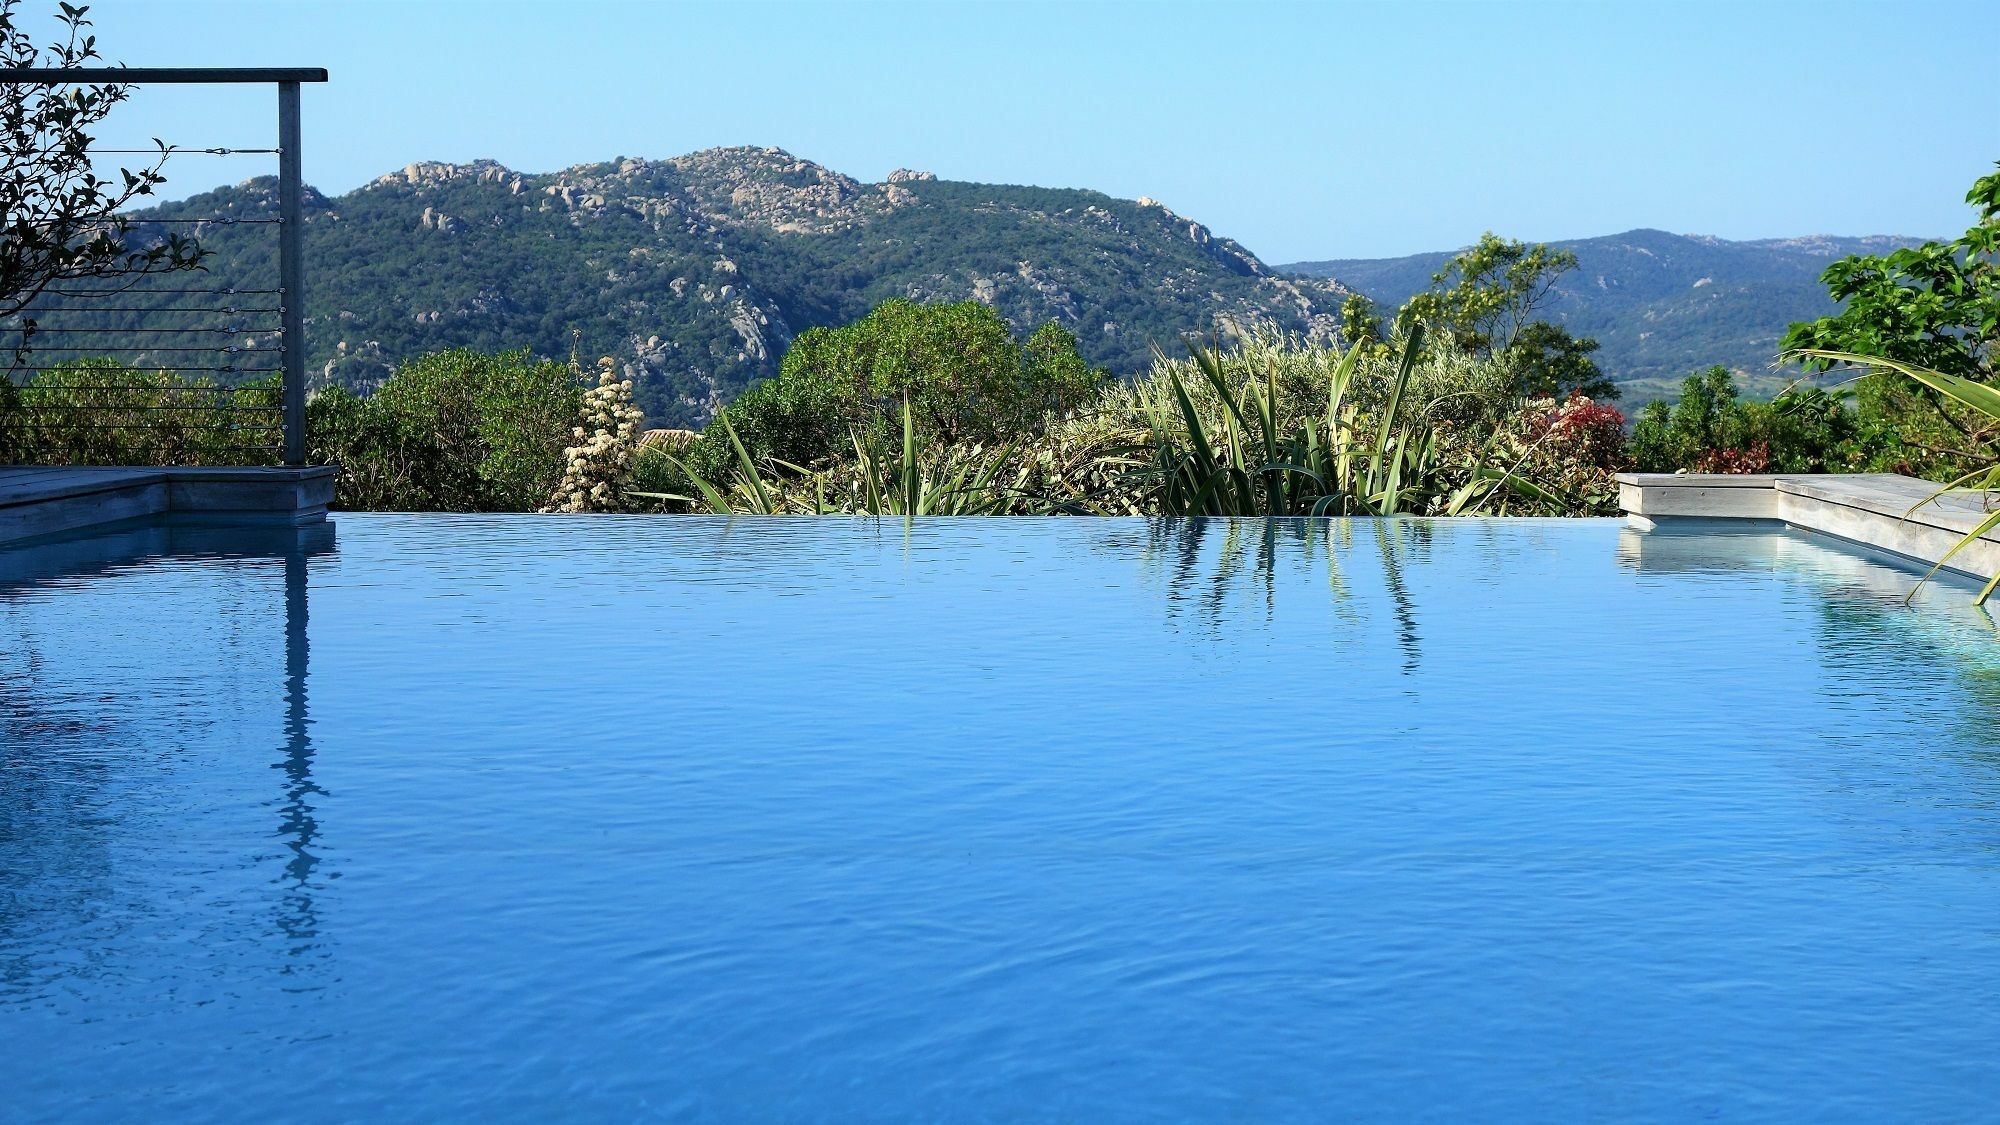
(1661, 305)
(697, 272)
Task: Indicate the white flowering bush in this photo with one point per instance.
(597, 468)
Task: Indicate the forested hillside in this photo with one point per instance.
(1662, 305)
(696, 272)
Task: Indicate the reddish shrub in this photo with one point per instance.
(1580, 432)
(1754, 459)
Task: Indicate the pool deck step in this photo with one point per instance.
(1901, 515)
(36, 501)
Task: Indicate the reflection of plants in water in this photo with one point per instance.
(74, 755)
(1404, 607)
(1211, 564)
(1869, 647)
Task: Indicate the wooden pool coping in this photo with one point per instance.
(37, 501)
(1897, 514)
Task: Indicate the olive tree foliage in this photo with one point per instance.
(1484, 302)
(60, 222)
(1360, 321)
(1487, 294)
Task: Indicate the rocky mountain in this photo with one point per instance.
(696, 272)
(1662, 305)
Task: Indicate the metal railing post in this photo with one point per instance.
(291, 272)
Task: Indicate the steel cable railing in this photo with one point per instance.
(177, 373)
(146, 368)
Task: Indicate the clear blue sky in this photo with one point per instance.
(1302, 130)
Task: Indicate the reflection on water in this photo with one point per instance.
(1104, 819)
(1868, 604)
(298, 826)
(1218, 568)
(83, 751)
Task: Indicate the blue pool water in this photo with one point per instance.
(520, 818)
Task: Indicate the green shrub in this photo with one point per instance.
(1269, 423)
(959, 367)
(1566, 452)
(103, 412)
(1904, 427)
(454, 431)
(1936, 307)
(1802, 430)
(370, 453)
(1405, 429)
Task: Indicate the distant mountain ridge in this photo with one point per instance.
(1662, 305)
(696, 272)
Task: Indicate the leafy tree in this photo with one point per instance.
(59, 221)
(1710, 429)
(1483, 301)
(958, 366)
(454, 431)
(1934, 306)
(1360, 321)
(1485, 296)
(1548, 362)
(1054, 374)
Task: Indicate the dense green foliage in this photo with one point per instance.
(957, 366)
(1547, 361)
(1407, 428)
(1269, 424)
(1661, 305)
(701, 270)
(1484, 302)
(1935, 307)
(455, 431)
(1258, 461)
(102, 412)
(1711, 430)
(1484, 296)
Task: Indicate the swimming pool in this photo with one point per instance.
(525, 817)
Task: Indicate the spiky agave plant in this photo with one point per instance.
(1983, 399)
(1250, 460)
(957, 481)
(745, 491)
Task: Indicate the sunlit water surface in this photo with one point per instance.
(520, 818)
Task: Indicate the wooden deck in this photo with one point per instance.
(36, 501)
(1901, 515)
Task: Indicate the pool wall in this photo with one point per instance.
(37, 500)
(1897, 514)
